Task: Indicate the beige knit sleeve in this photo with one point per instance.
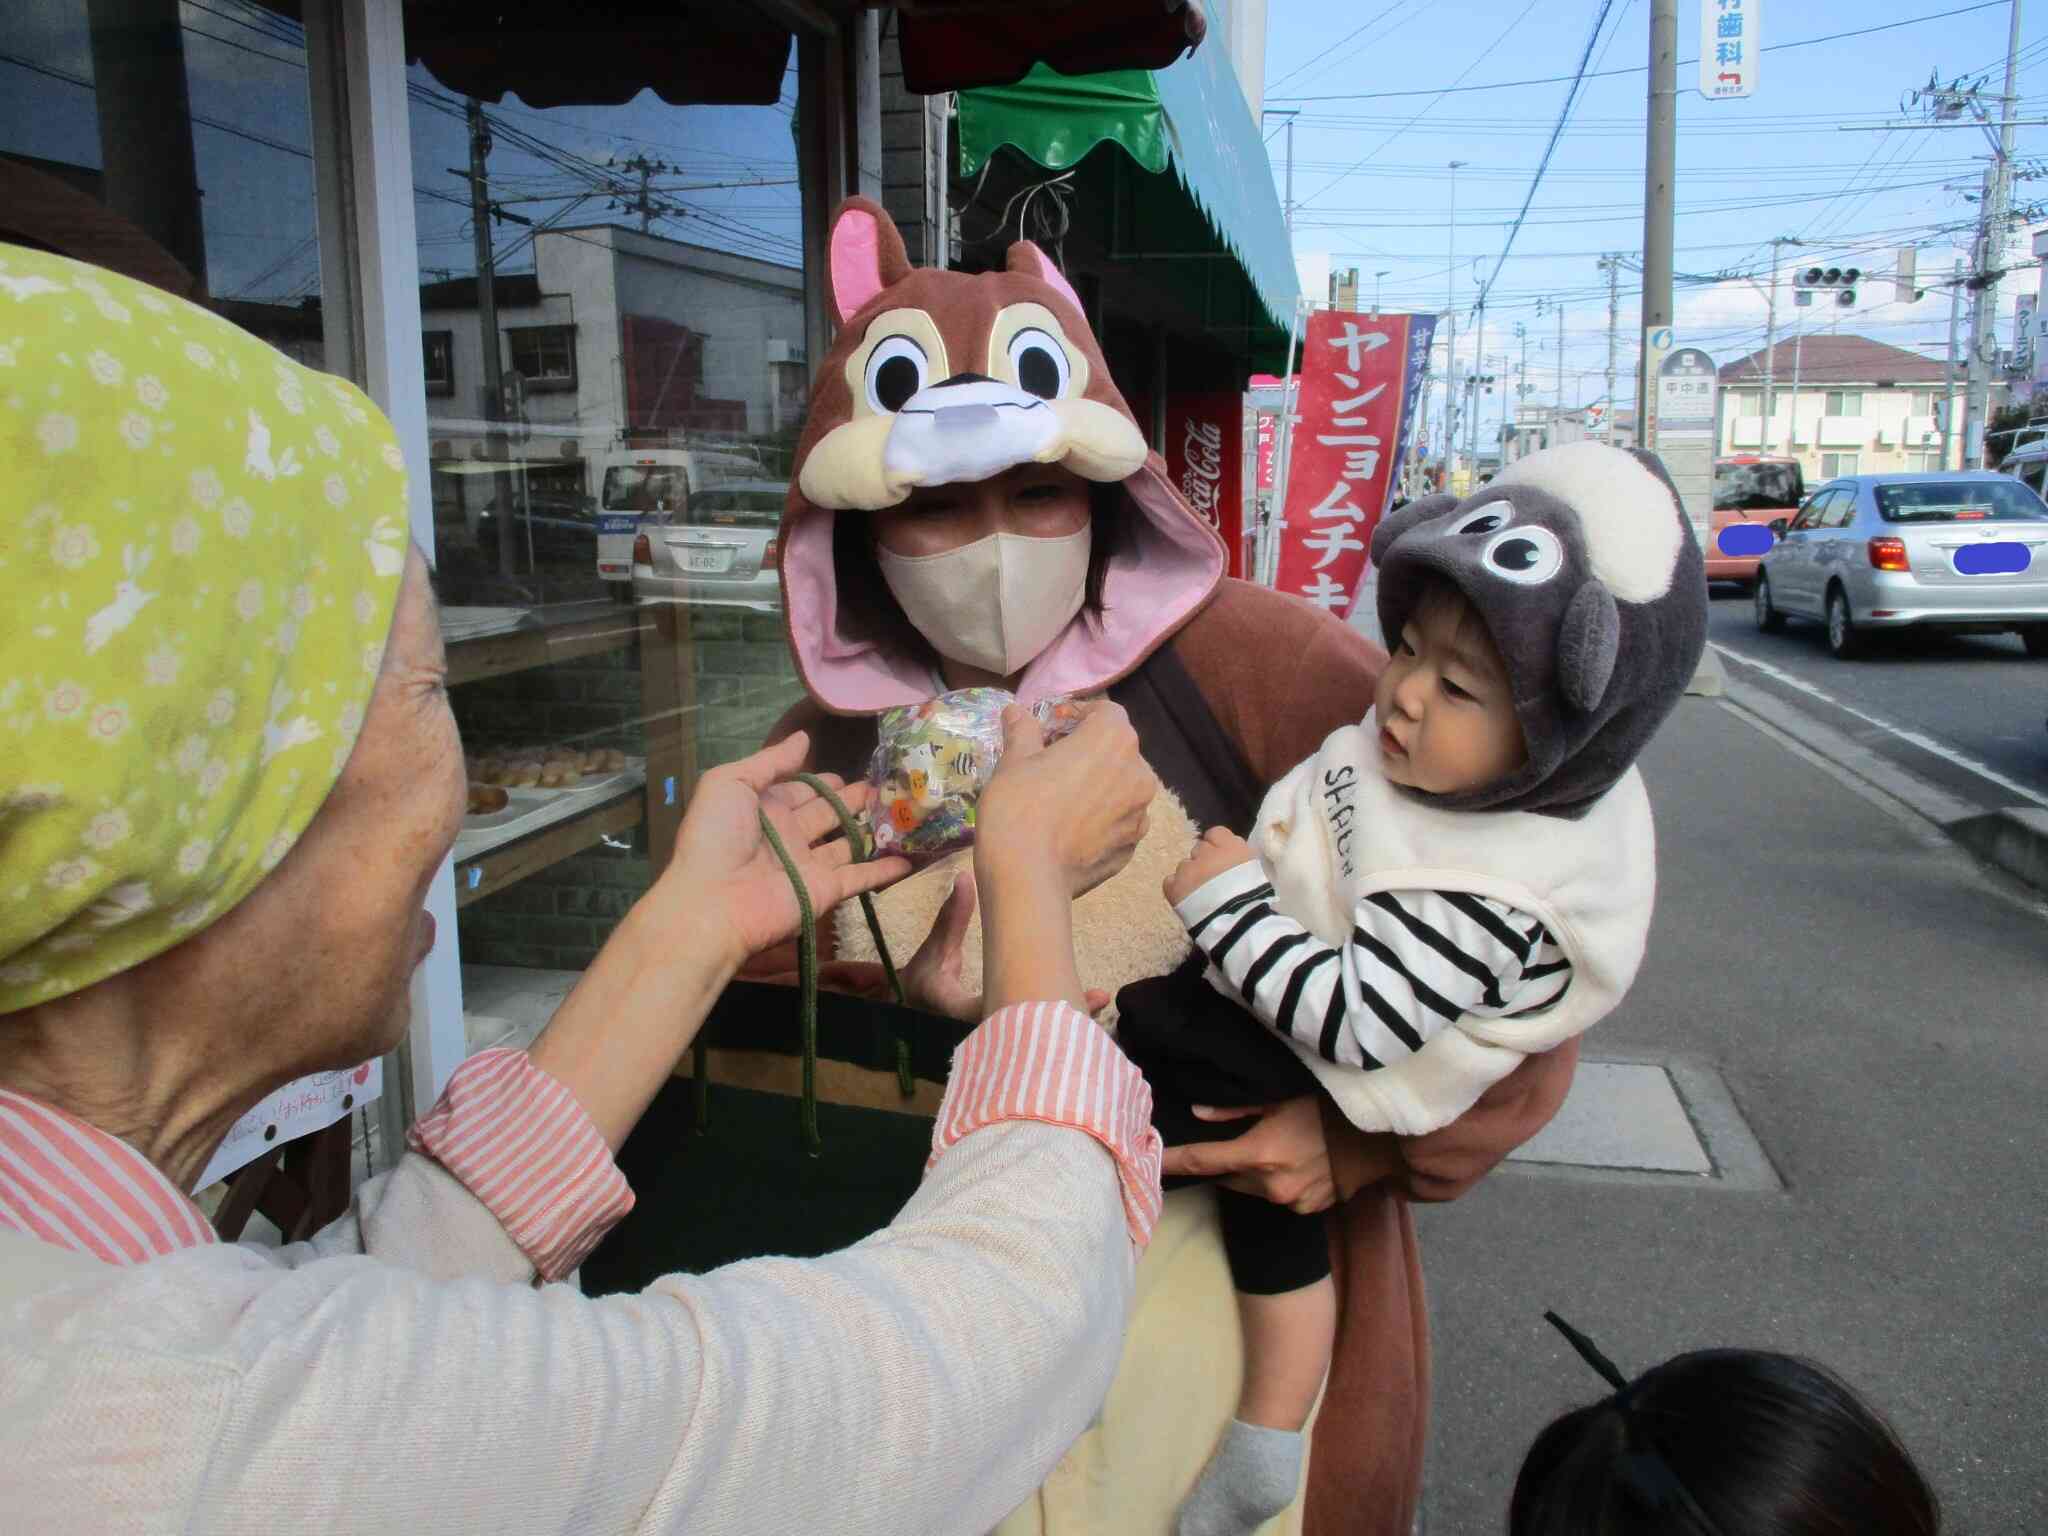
(926, 1379)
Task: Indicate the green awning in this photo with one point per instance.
(1190, 116)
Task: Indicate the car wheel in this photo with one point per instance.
(1768, 619)
(1843, 640)
(2035, 638)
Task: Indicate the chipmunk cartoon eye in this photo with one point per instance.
(1040, 363)
(1485, 520)
(1526, 556)
(897, 369)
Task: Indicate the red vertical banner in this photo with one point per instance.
(1205, 459)
(1269, 443)
(1344, 452)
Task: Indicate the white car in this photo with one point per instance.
(654, 483)
(720, 551)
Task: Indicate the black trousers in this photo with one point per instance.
(1196, 1046)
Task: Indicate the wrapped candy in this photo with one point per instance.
(931, 762)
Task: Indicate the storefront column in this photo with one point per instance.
(356, 60)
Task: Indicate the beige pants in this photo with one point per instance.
(1174, 1392)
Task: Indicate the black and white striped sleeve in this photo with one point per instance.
(1415, 962)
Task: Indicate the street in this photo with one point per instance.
(1871, 1000)
(1945, 707)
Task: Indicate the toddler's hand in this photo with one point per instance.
(1219, 849)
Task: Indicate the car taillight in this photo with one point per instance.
(1888, 554)
(772, 555)
(643, 552)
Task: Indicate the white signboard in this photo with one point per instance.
(1685, 428)
(1729, 46)
(297, 1109)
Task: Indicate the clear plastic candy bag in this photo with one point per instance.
(931, 762)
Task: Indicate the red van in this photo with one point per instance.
(1750, 491)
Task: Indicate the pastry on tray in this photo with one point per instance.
(486, 798)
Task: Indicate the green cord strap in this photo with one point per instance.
(806, 981)
(863, 850)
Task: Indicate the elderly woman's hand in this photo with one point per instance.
(1078, 805)
(725, 870)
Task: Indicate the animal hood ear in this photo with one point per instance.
(1028, 259)
(867, 256)
(1588, 645)
(1394, 524)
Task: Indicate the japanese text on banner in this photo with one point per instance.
(1345, 452)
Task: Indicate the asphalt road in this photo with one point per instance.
(1874, 1002)
(1980, 700)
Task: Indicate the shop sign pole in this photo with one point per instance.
(1290, 399)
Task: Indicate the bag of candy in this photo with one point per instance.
(931, 761)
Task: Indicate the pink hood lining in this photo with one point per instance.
(1172, 561)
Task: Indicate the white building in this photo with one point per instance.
(615, 332)
(1845, 405)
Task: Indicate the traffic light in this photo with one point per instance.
(1840, 282)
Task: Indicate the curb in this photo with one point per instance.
(2014, 840)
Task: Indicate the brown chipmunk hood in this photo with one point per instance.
(941, 378)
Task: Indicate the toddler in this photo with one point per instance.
(1462, 879)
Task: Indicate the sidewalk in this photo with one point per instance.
(1866, 1003)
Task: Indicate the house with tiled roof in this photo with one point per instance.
(1841, 405)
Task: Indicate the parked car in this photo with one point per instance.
(720, 551)
(654, 483)
(1961, 551)
(1750, 492)
(563, 526)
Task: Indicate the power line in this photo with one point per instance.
(1504, 85)
(1564, 115)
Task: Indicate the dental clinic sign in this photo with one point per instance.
(1359, 380)
(1729, 44)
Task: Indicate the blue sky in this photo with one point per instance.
(1372, 188)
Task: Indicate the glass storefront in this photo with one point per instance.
(610, 431)
(614, 319)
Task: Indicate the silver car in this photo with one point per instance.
(1960, 551)
(719, 551)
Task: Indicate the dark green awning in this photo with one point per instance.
(1190, 118)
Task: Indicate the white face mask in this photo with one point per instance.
(995, 603)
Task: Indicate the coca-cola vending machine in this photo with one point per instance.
(1205, 458)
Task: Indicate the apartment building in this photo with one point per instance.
(1843, 405)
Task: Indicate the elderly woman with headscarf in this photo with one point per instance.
(228, 775)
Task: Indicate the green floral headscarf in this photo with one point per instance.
(201, 544)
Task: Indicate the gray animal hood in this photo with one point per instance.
(1582, 565)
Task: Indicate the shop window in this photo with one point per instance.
(666, 250)
(544, 355)
(1844, 402)
(438, 347)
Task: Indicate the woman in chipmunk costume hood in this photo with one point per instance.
(973, 503)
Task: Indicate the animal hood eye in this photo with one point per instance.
(1040, 363)
(896, 370)
(1526, 556)
(1485, 519)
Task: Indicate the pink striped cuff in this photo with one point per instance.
(518, 1140)
(1051, 1062)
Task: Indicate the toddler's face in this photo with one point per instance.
(1446, 717)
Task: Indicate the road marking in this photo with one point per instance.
(1912, 738)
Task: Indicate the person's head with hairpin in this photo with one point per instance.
(1719, 1442)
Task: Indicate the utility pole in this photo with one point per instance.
(1290, 177)
(1451, 356)
(1991, 241)
(1478, 368)
(487, 323)
(643, 205)
(1948, 390)
(1557, 416)
(1521, 384)
(1659, 158)
(1611, 265)
(1792, 431)
(1771, 330)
